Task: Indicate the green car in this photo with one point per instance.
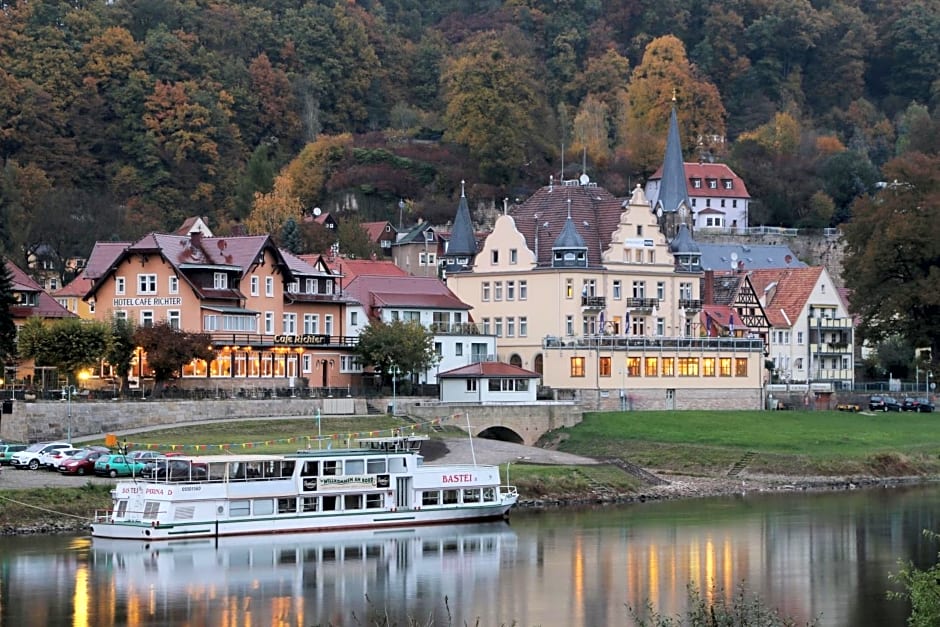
(121, 465)
(7, 450)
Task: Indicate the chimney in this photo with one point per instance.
(708, 291)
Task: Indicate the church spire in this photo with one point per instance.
(462, 246)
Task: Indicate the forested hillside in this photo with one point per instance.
(121, 117)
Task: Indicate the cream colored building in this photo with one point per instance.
(584, 289)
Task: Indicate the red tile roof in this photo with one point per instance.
(490, 370)
(375, 230)
(376, 292)
(351, 268)
(595, 212)
(46, 307)
(704, 171)
(103, 256)
(791, 292)
(717, 318)
(78, 287)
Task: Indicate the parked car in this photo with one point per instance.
(121, 465)
(29, 457)
(49, 460)
(883, 403)
(7, 450)
(917, 404)
(83, 462)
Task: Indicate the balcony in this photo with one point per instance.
(830, 323)
(654, 343)
(691, 305)
(457, 328)
(593, 303)
(841, 374)
(640, 305)
(830, 348)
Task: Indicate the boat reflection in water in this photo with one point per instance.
(336, 578)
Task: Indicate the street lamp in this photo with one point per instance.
(623, 392)
(393, 370)
(67, 392)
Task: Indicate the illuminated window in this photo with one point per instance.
(633, 366)
(688, 366)
(577, 366)
(569, 288)
(740, 366)
(669, 367)
(603, 366)
(652, 367)
(708, 366)
(724, 366)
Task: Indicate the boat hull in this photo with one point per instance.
(155, 530)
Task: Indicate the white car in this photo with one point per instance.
(51, 459)
(30, 458)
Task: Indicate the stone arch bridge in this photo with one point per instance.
(522, 423)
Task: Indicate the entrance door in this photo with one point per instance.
(403, 488)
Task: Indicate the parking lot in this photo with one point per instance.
(14, 479)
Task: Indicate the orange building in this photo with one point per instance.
(273, 319)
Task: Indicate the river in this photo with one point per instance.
(822, 556)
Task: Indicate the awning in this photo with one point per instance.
(237, 311)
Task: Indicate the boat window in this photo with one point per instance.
(355, 467)
(270, 470)
(489, 495)
(287, 468)
(121, 508)
(253, 469)
(397, 464)
(151, 508)
(236, 470)
(351, 553)
(287, 506)
(216, 471)
(310, 503)
(311, 469)
(330, 504)
(374, 501)
(431, 498)
(375, 466)
(330, 468)
(241, 507)
(450, 497)
(471, 496)
(352, 501)
(264, 507)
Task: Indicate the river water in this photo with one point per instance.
(823, 556)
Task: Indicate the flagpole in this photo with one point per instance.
(319, 432)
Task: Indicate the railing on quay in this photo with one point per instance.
(615, 342)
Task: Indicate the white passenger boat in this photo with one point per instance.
(383, 482)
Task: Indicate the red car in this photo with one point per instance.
(82, 463)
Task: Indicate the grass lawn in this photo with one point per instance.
(787, 442)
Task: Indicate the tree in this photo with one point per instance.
(354, 241)
(291, 237)
(7, 327)
(407, 346)
(271, 211)
(921, 590)
(70, 344)
(893, 248)
(121, 348)
(169, 349)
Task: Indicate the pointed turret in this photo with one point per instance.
(462, 246)
(687, 254)
(569, 249)
(672, 205)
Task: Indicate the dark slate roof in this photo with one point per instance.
(672, 190)
(548, 205)
(463, 241)
(569, 238)
(683, 242)
(747, 257)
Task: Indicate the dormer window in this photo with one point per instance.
(697, 183)
(727, 183)
(712, 184)
(220, 280)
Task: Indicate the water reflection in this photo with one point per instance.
(816, 555)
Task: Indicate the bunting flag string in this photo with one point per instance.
(307, 439)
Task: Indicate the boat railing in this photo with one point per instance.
(508, 491)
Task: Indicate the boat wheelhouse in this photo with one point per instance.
(381, 482)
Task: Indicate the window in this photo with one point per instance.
(294, 287)
(697, 183)
(486, 326)
(146, 318)
(269, 286)
(603, 366)
(638, 326)
(220, 281)
(120, 314)
(668, 367)
(639, 289)
(311, 286)
(523, 326)
(728, 183)
(430, 498)
(328, 324)
(498, 327)
(174, 285)
(311, 324)
(513, 256)
(306, 363)
(510, 327)
(349, 363)
(661, 290)
(577, 366)
(651, 366)
(486, 291)
(688, 366)
(255, 284)
(173, 318)
(458, 349)
(660, 326)
(269, 322)
(799, 337)
(569, 325)
(119, 285)
(639, 230)
(354, 318)
(633, 366)
(146, 283)
(494, 257)
(287, 505)
(569, 288)
(510, 290)
(740, 366)
(438, 349)
(712, 184)
(523, 290)
(708, 366)
(651, 256)
(498, 290)
(618, 290)
(289, 323)
(471, 385)
(724, 366)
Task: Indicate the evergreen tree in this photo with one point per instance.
(291, 237)
(7, 327)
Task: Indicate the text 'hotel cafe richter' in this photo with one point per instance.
(273, 319)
